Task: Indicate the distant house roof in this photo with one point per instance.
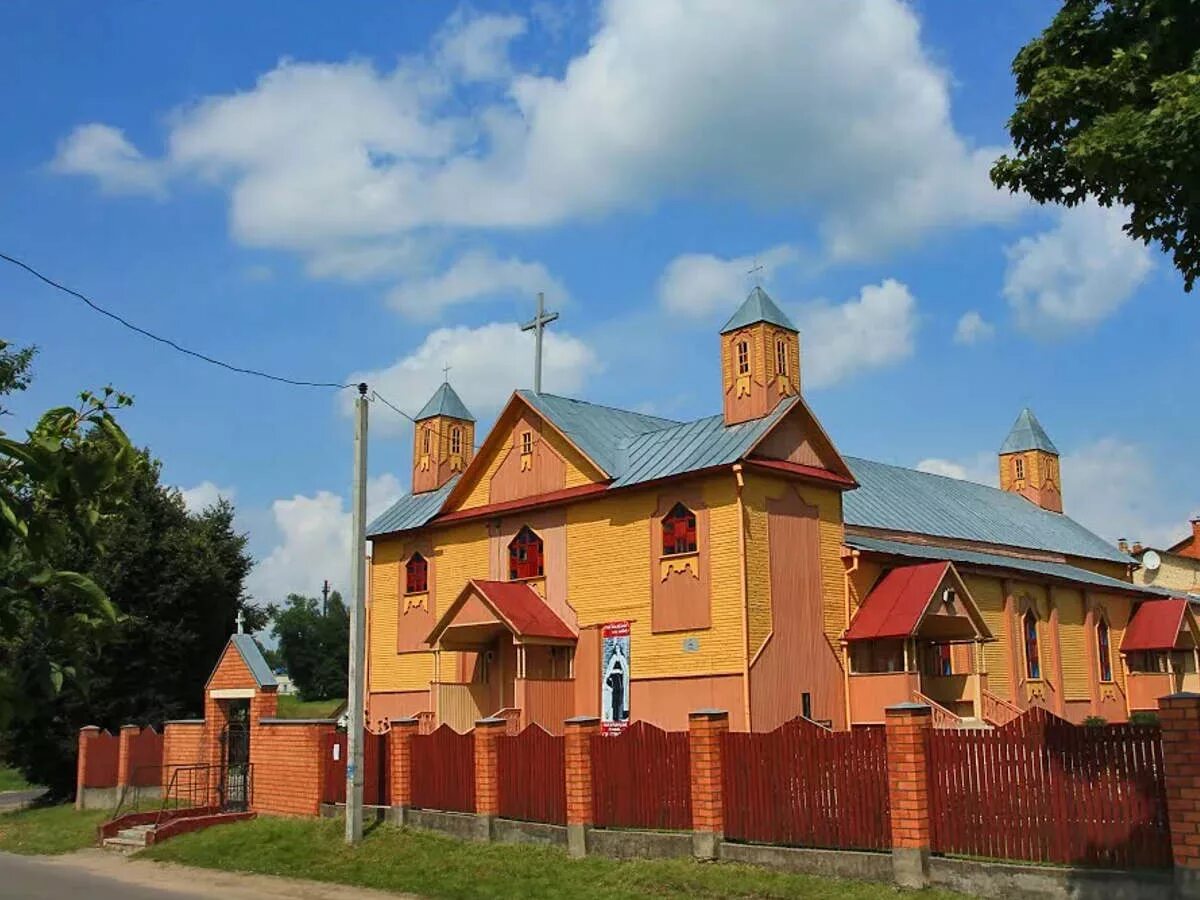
(445, 402)
(757, 307)
(1060, 571)
(253, 658)
(898, 499)
(1155, 625)
(895, 605)
(1027, 433)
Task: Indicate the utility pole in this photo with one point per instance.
(537, 325)
(358, 611)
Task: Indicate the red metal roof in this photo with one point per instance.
(1155, 625)
(896, 604)
(521, 608)
(812, 473)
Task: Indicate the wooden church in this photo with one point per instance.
(586, 560)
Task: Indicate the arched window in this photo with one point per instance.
(1018, 468)
(679, 530)
(1033, 662)
(743, 357)
(456, 440)
(425, 439)
(525, 555)
(416, 575)
(1104, 651)
(781, 356)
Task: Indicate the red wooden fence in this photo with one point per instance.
(376, 765)
(443, 767)
(102, 755)
(1044, 790)
(642, 779)
(532, 776)
(145, 758)
(804, 786)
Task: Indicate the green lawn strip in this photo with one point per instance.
(292, 707)
(49, 829)
(12, 780)
(438, 866)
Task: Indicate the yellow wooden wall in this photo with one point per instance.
(758, 567)
(1074, 637)
(608, 579)
(988, 594)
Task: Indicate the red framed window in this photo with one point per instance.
(1104, 651)
(525, 556)
(1033, 662)
(416, 575)
(679, 530)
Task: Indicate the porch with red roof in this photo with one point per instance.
(1161, 651)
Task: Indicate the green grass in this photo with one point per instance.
(49, 829)
(292, 707)
(437, 866)
(12, 780)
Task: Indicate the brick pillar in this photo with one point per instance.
(1180, 718)
(124, 757)
(908, 727)
(87, 734)
(487, 780)
(705, 727)
(400, 781)
(580, 809)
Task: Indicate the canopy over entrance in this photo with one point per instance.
(928, 601)
(485, 610)
(1158, 625)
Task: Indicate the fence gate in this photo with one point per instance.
(1044, 790)
(233, 782)
(376, 768)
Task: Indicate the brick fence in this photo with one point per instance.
(107, 765)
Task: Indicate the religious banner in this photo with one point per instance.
(614, 677)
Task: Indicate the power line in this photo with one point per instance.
(375, 395)
(162, 340)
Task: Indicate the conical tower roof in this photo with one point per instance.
(758, 307)
(1027, 433)
(445, 402)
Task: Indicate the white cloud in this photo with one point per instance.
(973, 328)
(477, 48)
(838, 341)
(314, 542)
(698, 284)
(474, 276)
(486, 364)
(834, 109)
(106, 154)
(982, 468)
(204, 495)
(1076, 274)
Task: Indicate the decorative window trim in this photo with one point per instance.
(741, 351)
(781, 356)
(527, 441)
(409, 575)
(425, 439)
(456, 440)
(682, 519)
(1018, 468)
(526, 552)
(1104, 658)
(1033, 666)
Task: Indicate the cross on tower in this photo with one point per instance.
(754, 270)
(241, 622)
(446, 373)
(537, 325)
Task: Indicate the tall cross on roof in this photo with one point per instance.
(754, 270)
(446, 373)
(241, 622)
(537, 325)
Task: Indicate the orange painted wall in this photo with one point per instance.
(666, 702)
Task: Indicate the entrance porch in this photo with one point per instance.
(511, 657)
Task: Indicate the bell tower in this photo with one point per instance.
(1029, 463)
(443, 440)
(760, 359)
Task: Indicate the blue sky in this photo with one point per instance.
(379, 192)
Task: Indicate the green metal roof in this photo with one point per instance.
(596, 430)
(252, 656)
(445, 402)
(411, 510)
(995, 560)
(1027, 433)
(758, 307)
(898, 499)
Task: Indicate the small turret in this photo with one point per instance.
(760, 359)
(443, 440)
(1029, 463)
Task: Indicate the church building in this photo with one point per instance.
(586, 560)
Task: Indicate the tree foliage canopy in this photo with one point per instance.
(315, 648)
(1109, 109)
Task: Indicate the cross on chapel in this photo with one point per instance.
(537, 325)
(241, 622)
